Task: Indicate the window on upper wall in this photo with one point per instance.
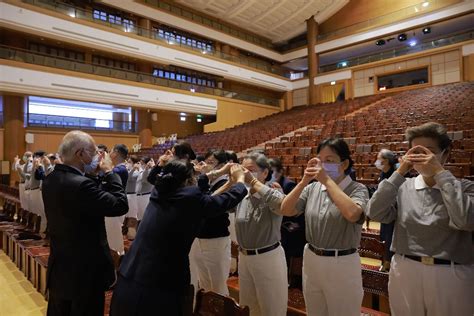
(60, 113)
(56, 51)
(403, 79)
(178, 76)
(113, 19)
(174, 36)
(105, 61)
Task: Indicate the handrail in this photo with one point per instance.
(196, 17)
(427, 45)
(12, 53)
(87, 15)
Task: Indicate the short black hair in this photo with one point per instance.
(340, 147)
(173, 176)
(276, 163)
(200, 158)
(432, 130)
(232, 156)
(145, 159)
(122, 150)
(219, 155)
(102, 147)
(134, 159)
(183, 150)
(39, 153)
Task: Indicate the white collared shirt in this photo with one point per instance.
(420, 184)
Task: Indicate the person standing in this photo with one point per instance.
(80, 267)
(154, 276)
(212, 255)
(432, 271)
(334, 213)
(113, 225)
(263, 278)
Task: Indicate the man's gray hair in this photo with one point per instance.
(72, 142)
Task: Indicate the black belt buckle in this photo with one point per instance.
(252, 252)
(331, 253)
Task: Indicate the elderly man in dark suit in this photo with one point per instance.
(80, 267)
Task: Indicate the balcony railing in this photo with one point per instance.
(99, 70)
(83, 14)
(59, 121)
(423, 46)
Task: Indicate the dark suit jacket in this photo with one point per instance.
(158, 257)
(75, 206)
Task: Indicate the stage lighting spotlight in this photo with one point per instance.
(402, 37)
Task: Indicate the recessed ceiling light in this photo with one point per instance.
(402, 37)
(380, 42)
(426, 30)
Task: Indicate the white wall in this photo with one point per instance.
(33, 82)
(67, 30)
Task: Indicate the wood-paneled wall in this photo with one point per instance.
(49, 140)
(357, 11)
(231, 113)
(169, 122)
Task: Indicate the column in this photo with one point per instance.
(144, 127)
(14, 128)
(145, 27)
(313, 59)
(288, 100)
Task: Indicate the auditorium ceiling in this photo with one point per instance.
(277, 20)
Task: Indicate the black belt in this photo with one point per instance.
(251, 252)
(140, 194)
(331, 253)
(131, 192)
(429, 260)
(32, 189)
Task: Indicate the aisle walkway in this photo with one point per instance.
(18, 297)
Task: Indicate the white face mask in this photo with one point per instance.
(378, 164)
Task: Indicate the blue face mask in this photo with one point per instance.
(92, 166)
(332, 170)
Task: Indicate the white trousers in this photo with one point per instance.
(132, 205)
(213, 264)
(142, 203)
(37, 207)
(418, 289)
(332, 285)
(193, 253)
(28, 201)
(21, 190)
(263, 283)
(113, 227)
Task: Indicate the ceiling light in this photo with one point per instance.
(183, 118)
(192, 90)
(72, 14)
(344, 64)
(412, 43)
(426, 30)
(382, 88)
(402, 37)
(425, 4)
(333, 83)
(182, 114)
(199, 120)
(380, 42)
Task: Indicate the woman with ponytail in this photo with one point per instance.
(154, 275)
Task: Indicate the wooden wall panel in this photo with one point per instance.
(230, 114)
(49, 140)
(357, 11)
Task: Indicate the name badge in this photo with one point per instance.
(427, 260)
